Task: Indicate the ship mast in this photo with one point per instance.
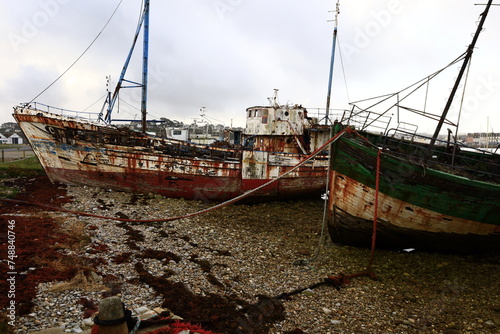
(110, 101)
(145, 50)
(337, 11)
(467, 57)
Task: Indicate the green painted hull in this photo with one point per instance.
(419, 206)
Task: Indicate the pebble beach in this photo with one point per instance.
(249, 268)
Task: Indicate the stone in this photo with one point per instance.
(88, 322)
(141, 310)
(308, 292)
(159, 310)
(490, 324)
(76, 329)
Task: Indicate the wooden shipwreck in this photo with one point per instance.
(397, 188)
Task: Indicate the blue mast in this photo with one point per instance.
(331, 65)
(112, 100)
(145, 66)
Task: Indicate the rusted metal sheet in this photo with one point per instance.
(285, 129)
(358, 199)
(76, 152)
(350, 216)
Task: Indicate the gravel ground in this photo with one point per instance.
(242, 255)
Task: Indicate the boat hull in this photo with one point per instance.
(417, 207)
(85, 153)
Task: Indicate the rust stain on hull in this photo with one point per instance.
(76, 152)
(401, 224)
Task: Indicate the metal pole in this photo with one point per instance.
(468, 55)
(331, 65)
(114, 98)
(145, 67)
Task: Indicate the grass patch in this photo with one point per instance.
(2, 146)
(28, 167)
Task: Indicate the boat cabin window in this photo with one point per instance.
(265, 114)
(177, 132)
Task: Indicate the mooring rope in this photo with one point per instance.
(321, 239)
(160, 220)
(375, 210)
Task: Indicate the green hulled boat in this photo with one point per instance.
(419, 191)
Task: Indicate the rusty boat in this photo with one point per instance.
(77, 151)
(394, 188)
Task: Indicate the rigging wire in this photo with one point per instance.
(417, 85)
(121, 100)
(154, 117)
(78, 59)
(343, 71)
(98, 100)
(460, 110)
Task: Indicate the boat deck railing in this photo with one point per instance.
(320, 115)
(90, 116)
(363, 119)
(448, 155)
(403, 141)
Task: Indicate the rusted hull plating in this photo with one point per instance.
(84, 153)
(401, 224)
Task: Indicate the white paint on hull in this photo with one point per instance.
(358, 200)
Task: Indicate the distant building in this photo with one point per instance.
(12, 138)
(483, 139)
(15, 139)
(10, 133)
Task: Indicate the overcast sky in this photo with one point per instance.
(227, 55)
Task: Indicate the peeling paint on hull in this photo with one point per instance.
(195, 187)
(401, 224)
(423, 209)
(83, 153)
